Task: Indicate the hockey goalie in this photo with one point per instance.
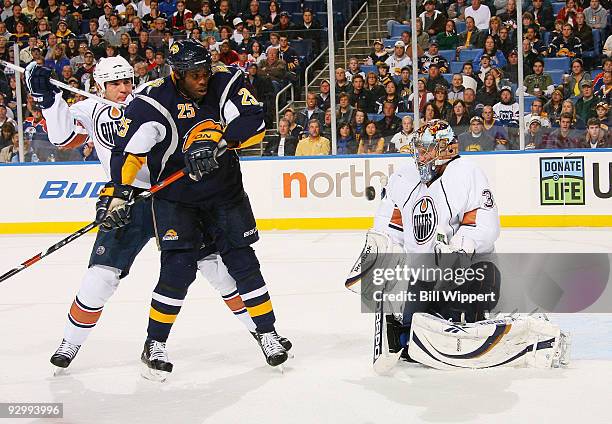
(441, 214)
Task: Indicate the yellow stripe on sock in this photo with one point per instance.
(262, 309)
(159, 317)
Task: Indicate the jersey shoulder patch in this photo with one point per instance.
(216, 69)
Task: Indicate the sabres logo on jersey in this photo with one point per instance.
(424, 219)
(170, 235)
(107, 120)
(174, 48)
(206, 130)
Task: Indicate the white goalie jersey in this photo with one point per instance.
(70, 127)
(459, 204)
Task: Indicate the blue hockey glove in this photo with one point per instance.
(201, 158)
(38, 81)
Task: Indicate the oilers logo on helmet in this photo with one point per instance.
(107, 120)
(424, 219)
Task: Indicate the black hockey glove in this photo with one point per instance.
(201, 158)
(38, 81)
(112, 209)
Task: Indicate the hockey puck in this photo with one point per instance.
(370, 193)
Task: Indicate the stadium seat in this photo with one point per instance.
(296, 18)
(389, 43)
(338, 20)
(598, 41)
(456, 67)
(401, 115)
(556, 75)
(303, 48)
(460, 27)
(397, 29)
(546, 37)
(528, 102)
(375, 116)
(290, 6)
(557, 6)
(448, 77)
(468, 54)
(314, 5)
(264, 7)
(369, 68)
(557, 63)
(447, 54)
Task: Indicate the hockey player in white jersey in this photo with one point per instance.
(445, 207)
(114, 251)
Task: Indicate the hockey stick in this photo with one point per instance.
(141, 197)
(67, 87)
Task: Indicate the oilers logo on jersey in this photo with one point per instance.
(424, 219)
(107, 120)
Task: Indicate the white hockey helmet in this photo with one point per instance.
(111, 69)
(438, 138)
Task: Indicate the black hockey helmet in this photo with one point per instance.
(188, 55)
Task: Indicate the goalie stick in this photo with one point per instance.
(141, 197)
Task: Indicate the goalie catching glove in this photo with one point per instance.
(201, 158)
(112, 208)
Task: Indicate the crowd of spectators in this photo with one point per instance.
(480, 98)
(269, 44)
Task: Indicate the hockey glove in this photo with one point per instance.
(112, 209)
(201, 158)
(38, 81)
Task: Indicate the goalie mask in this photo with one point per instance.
(434, 145)
(111, 69)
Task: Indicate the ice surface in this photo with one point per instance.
(219, 372)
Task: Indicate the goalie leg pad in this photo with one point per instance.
(505, 342)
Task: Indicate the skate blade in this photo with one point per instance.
(153, 375)
(59, 371)
(386, 362)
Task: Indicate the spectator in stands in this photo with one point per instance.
(249, 16)
(141, 74)
(568, 13)
(511, 68)
(539, 83)
(282, 144)
(504, 43)
(456, 11)
(274, 68)
(374, 86)
(595, 136)
(470, 80)
(371, 142)
(433, 56)
(497, 58)
(359, 97)
(310, 29)
(542, 15)
(430, 112)
(534, 134)
(18, 16)
(294, 128)
(469, 98)
(441, 103)
(469, 38)
(508, 17)
(402, 13)
(488, 95)
(563, 137)
(390, 123)
(323, 99)
(260, 32)
(112, 36)
(607, 48)
(435, 78)
(400, 142)
(459, 118)
(391, 95)
(257, 55)
(604, 117)
(226, 54)
(567, 45)
(178, 18)
(598, 80)
(529, 56)
(353, 69)
(537, 111)
(310, 112)
(596, 15)
(10, 154)
(475, 139)
(224, 16)
(422, 37)
(507, 116)
(585, 106)
(399, 59)
(404, 85)
(605, 92)
(342, 83)
(6, 132)
(379, 54)
(569, 108)
(58, 59)
(480, 13)
(161, 69)
(288, 54)
(425, 96)
(209, 29)
(489, 120)
(314, 144)
(584, 32)
(346, 144)
(493, 31)
(285, 25)
(358, 124)
(456, 90)
(433, 20)
(554, 106)
(273, 16)
(573, 86)
(448, 39)
(345, 112)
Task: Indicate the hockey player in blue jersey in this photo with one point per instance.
(196, 117)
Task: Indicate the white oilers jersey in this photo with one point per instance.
(70, 127)
(460, 202)
(388, 219)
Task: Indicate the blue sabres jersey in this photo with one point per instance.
(161, 123)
